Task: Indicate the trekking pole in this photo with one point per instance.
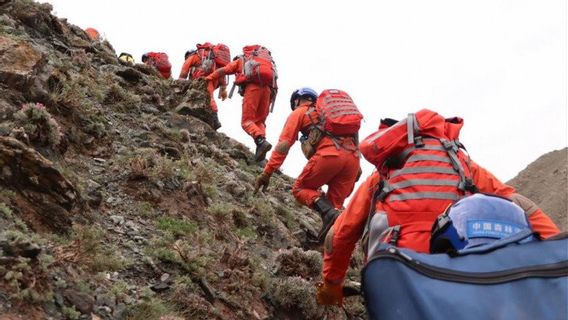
(232, 90)
(273, 100)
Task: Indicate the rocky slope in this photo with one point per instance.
(118, 200)
(545, 181)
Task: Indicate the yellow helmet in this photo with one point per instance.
(126, 58)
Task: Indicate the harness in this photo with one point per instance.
(337, 140)
(428, 169)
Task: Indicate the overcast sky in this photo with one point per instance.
(500, 65)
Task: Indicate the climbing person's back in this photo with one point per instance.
(160, 61)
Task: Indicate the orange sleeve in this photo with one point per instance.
(232, 68)
(347, 230)
(487, 182)
(189, 62)
(288, 136)
(222, 82)
(541, 223)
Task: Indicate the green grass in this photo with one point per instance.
(176, 227)
(246, 233)
(152, 309)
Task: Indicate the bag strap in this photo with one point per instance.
(376, 190)
(519, 236)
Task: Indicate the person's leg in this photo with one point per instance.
(318, 171)
(251, 102)
(263, 109)
(341, 186)
(256, 102)
(211, 90)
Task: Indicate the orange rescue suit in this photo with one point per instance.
(332, 165)
(256, 100)
(349, 227)
(194, 61)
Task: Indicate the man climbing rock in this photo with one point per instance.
(93, 34)
(256, 77)
(160, 61)
(202, 62)
(421, 170)
(333, 159)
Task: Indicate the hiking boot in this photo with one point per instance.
(262, 148)
(328, 216)
(215, 123)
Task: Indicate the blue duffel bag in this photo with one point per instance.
(502, 280)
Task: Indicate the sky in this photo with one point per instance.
(500, 65)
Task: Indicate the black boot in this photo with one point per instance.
(262, 147)
(328, 215)
(215, 123)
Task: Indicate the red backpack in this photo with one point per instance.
(423, 143)
(422, 169)
(222, 55)
(339, 116)
(212, 57)
(258, 67)
(161, 61)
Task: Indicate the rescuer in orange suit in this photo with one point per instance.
(193, 60)
(348, 228)
(256, 103)
(93, 34)
(335, 166)
(160, 61)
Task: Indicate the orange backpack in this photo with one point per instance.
(212, 57)
(424, 143)
(161, 62)
(339, 116)
(258, 67)
(422, 169)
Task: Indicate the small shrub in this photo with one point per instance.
(71, 313)
(38, 123)
(287, 217)
(120, 290)
(88, 244)
(297, 262)
(297, 295)
(221, 210)
(122, 99)
(5, 211)
(150, 309)
(145, 209)
(176, 227)
(246, 233)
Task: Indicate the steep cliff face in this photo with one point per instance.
(118, 200)
(545, 181)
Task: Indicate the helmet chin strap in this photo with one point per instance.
(296, 103)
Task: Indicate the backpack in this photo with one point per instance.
(161, 62)
(222, 55)
(423, 169)
(212, 57)
(506, 279)
(339, 116)
(258, 67)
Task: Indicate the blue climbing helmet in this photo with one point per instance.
(477, 220)
(303, 93)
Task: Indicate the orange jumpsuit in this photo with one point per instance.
(93, 34)
(335, 166)
(349, 227)
(161, 63)
(194, 61)
(256, 101)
